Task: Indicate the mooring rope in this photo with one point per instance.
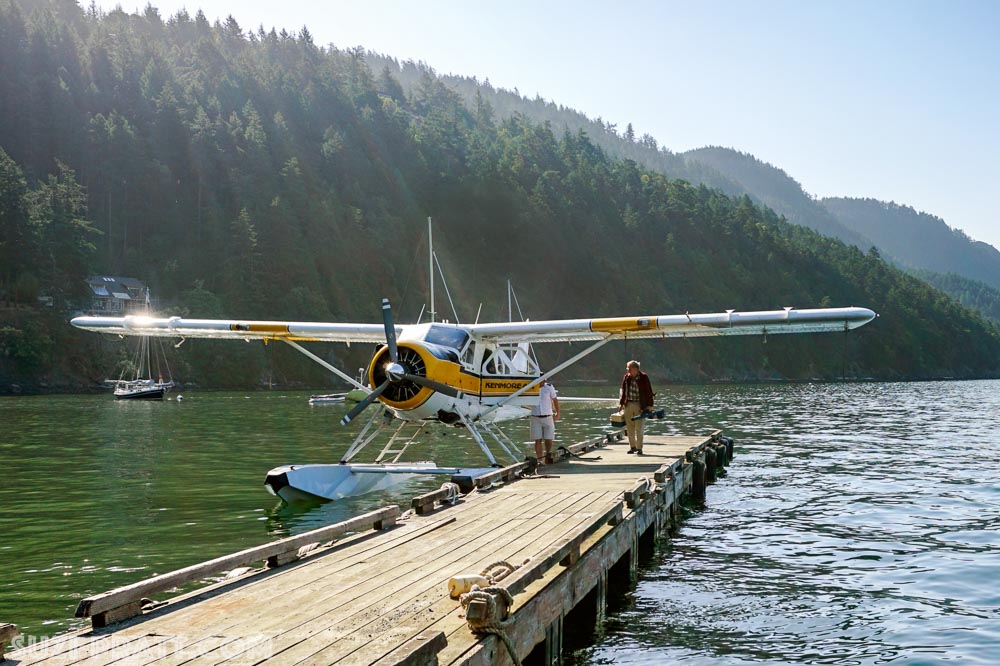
(491, 623)
(576, 455)
(453, 491)
(505, 569)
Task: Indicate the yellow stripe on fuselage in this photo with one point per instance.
(500, 386)
(470, 383)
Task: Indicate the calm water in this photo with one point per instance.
(858, 524)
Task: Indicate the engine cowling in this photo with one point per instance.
(401, 393)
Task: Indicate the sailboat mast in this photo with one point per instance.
(510, 306)
(430, 267)
(145, 344)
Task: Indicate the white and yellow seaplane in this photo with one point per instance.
(468, 375)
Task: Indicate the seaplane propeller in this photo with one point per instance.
(397, 373)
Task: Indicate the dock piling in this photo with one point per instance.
(711, 466)
(698, 480)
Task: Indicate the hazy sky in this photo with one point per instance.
(896, 100)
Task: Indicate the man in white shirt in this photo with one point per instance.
(543, 417)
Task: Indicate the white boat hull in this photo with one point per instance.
(328, 399)
(141, 390)
(297, 483)
(354, 395)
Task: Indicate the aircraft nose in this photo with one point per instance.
(395, 372)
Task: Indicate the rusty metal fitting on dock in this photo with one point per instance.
(8, 632)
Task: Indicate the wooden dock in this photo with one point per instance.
(375, 589)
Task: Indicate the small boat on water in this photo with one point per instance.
(354, 395)
(142, 386)
(145, 389)
(327, 399)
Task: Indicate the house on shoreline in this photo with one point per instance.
(111, 295)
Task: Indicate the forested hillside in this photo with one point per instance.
(618, 142)
(919, 240)
(776, 189)
(728, 170)
(971, 293)
(733, 172)
(254, 174)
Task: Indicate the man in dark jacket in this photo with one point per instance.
(636, 398)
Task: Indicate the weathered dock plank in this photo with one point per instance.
(402, 617)
(368, 596)
(127, 599)
(345, 625)
(382, 597)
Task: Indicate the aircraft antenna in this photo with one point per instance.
(430, 267)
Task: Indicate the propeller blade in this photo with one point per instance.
(390, 329)
(433, 385)
(361, 406)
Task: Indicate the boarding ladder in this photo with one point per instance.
(403, 435)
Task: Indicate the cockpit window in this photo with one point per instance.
(446, 336)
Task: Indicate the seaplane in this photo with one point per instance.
(472, 376)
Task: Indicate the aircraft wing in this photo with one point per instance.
(787, 320)
(177, 327)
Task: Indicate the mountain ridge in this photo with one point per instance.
(728, 169)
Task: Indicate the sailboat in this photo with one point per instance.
(142, 386)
